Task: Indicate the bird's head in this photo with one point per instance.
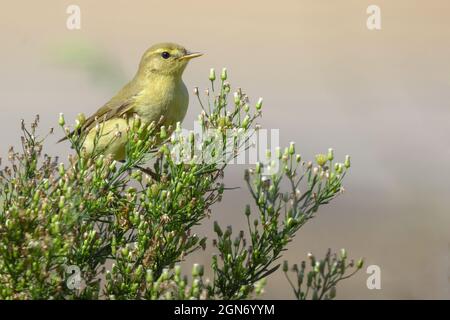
(166, 59)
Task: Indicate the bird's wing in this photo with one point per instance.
(120, 104)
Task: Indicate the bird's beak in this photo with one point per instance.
(191, 55)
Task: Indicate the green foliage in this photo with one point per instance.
(320, 282)
(131, 225)
(280, 215)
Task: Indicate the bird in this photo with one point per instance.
(156, 92)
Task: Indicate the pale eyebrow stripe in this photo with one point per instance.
(174, 52)
(168, 50)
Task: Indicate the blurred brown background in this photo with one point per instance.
(327, 81)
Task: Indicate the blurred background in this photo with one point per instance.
(381, 96)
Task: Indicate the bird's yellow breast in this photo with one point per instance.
(165, 97)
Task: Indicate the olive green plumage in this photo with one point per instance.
(157, 90)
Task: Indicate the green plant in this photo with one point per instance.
(132, 225)
(321, 281)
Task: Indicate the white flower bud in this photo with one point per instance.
(224, 74)
(61, 120)
(212, 74)
(259, 104)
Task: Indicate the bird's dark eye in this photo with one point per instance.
(165, 55)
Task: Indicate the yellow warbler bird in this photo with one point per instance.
(157, 90)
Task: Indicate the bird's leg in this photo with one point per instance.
(148, 171)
